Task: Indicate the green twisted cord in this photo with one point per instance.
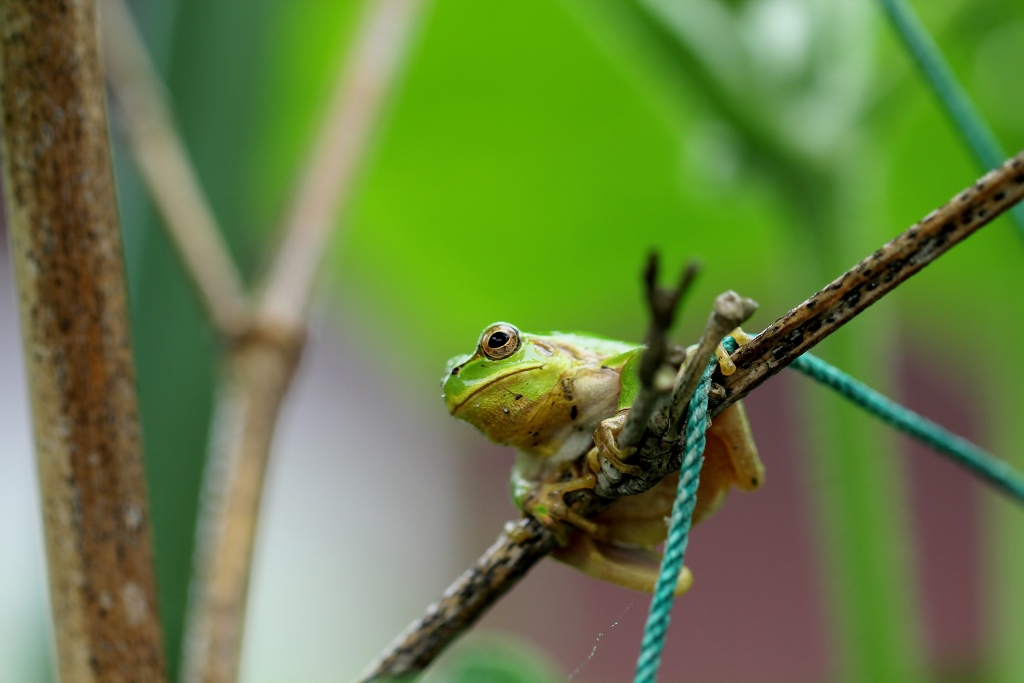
(976, 460)
(678, 535)
(951, 94)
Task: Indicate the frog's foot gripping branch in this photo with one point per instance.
(725, 362)
(547, 505)
(606, 445)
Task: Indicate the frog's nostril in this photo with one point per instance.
(456, 369)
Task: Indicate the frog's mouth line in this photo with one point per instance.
(533, 366)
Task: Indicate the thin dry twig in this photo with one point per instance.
(796, 332)
(660, 361)
(659, 449)
(66, 247)
(164, 166)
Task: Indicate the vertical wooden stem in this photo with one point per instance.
(66, 245)
(257, 379)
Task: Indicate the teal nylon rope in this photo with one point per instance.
(990, 468)
(948, 90)
(979, 462)
(678, 533)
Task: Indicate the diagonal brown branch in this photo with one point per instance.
(874, 277)
(523, 543)
(265, 343)
(66, 246)
(165, 168)
(369, 73)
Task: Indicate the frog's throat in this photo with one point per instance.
(484, 385)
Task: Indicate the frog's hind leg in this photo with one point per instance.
(730, 459)
(630, 567)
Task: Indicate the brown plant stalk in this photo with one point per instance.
(66, 246)
(524, 542)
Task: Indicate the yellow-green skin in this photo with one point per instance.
(545, 399)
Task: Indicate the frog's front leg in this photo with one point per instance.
(606, 444)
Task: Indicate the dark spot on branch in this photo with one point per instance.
(999, 196)
(852, 297)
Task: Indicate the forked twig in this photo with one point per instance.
(659, 363)
(265, 344)
(776, 347)
(262, 365)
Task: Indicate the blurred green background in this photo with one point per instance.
(532, 154)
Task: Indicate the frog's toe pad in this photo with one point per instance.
(630, 567)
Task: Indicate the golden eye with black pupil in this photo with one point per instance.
(499, 341)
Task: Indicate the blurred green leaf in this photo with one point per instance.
(495, 660)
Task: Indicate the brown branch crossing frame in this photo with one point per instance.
(524, 542)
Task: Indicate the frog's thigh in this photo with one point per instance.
(640, 519)
(634, 568)
(730, 458)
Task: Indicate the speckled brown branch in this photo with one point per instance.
(504, 563)
(517, 549)
(66, 247)
(871, 279)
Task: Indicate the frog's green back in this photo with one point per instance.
(602, 346)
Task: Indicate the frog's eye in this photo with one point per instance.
(499, 341)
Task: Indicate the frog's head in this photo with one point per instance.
(501, 384)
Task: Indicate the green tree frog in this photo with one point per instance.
(558, 397)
